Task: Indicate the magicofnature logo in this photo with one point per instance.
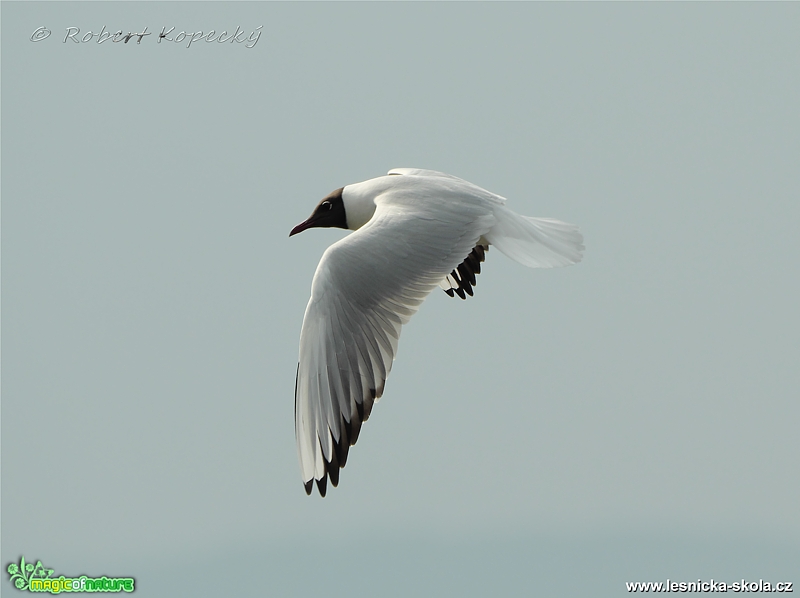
(38, 578)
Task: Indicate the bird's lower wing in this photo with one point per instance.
(366, 287)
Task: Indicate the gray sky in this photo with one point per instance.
(631, 418)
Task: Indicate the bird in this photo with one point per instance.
(414, 230)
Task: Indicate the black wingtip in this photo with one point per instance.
(348, 434)
(322, 486)
(333, 472)
(332, 467)
(465, 272)
(354, 430)
(342, 445)
(369, 401)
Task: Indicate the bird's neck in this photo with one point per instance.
(359, 203)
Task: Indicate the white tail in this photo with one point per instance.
(536, 242)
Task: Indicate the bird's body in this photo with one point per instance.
(415, 229)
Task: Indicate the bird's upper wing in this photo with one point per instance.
(366, 287)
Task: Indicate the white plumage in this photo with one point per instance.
(414, 230)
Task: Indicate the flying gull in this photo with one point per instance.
(414, 230)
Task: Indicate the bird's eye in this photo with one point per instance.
(326, 205)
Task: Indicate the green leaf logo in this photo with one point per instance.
(22, 573)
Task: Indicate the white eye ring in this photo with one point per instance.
(327, 205)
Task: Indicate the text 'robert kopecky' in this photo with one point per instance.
(167, 35)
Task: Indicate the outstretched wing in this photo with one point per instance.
(366, 287)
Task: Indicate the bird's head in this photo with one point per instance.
(328, 213)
